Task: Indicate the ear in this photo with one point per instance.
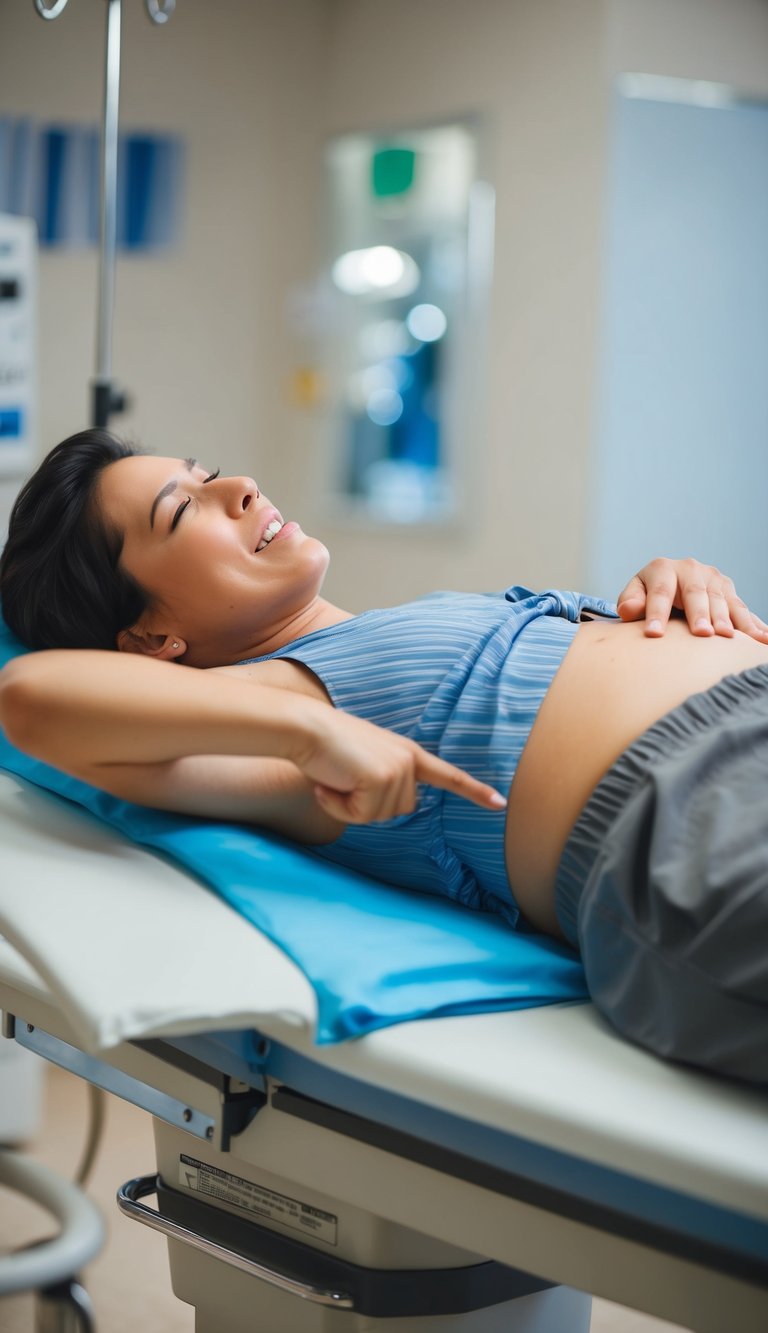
(164, 647)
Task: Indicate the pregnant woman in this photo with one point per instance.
(600, 779)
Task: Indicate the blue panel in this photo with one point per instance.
(140, 176)
(149, 191)
(6, 140)
(11, 423)
(93, 201)
(53, 173)
(682, 461)
(21, 186)
(50, 221)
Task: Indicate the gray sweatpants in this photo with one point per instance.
(663, 885)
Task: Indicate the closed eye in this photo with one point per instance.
(185, 503)
(180, 511)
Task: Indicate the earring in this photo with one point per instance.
(174, 644)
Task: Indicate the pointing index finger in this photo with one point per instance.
(438, 773)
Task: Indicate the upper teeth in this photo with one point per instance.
(270, 531)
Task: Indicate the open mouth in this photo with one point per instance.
(269, 532)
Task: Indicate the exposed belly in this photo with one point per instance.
(612, 684)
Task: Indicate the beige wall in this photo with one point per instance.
(199, 334)
(722, 40)
(534, 73)
(202, 337)
(541, 73)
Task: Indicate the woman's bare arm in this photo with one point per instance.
(162, 733)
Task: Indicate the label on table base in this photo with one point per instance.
(217, 1184)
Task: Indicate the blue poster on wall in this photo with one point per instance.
(51, 173)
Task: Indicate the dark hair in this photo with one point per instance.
(60, 578)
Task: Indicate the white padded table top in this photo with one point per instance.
(129, 946)
(129, 943)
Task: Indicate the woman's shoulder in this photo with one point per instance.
(279, 674)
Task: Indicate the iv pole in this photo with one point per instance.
(106, 400)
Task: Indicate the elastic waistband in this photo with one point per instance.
(667, 736)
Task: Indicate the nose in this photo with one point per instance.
(240, 493)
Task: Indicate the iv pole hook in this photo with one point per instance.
(56, 8)
(158, 10)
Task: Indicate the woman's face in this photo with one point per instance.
(190, 539)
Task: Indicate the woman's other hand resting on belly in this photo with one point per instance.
(707, 598)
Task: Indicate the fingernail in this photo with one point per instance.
(498, 801)
(654, 626)
(701, 623)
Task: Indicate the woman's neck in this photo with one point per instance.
(318, 614)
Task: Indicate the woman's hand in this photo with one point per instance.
(361, 772)
(124, 722)
(707, 597)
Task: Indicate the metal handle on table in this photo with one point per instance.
(128, 1197)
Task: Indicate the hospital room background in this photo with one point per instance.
(476, 290)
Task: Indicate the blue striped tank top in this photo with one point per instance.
(464, 675)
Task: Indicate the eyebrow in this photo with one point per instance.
(168, 489)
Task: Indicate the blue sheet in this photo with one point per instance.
(375, 954)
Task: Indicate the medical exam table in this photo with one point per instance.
(475, 1173)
